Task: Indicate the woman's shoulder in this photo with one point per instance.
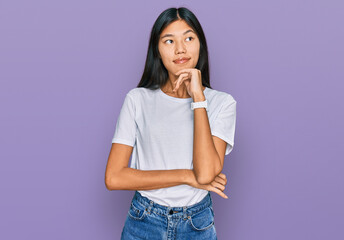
(220, 96)
(141, 94)
(139, 91)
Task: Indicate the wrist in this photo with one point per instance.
(189, 176)
(198, 97)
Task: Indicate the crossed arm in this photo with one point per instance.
(119, 176)
(208, 157)
(208, 150)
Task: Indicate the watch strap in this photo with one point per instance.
(203, 104)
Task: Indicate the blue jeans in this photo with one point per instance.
(147, 219)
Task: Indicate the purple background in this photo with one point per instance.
(65, 67)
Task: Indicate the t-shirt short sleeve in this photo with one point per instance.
(224, 123)
(125, 131)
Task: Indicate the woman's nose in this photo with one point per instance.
(180, 47)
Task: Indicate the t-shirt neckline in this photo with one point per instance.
(176, 99)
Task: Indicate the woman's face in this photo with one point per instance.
(178, 40)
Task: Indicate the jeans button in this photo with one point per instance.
(171, 212)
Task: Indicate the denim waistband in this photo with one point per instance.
(186, 211)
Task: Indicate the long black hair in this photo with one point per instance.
(155, 75)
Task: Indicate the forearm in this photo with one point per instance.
(206, 161)
(134, 179)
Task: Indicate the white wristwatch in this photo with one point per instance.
(203, 104)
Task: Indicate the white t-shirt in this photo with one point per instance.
(159, 127)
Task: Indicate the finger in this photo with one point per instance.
(180, 79)
(219, 192)
(220, 180)
(180, 76)
(218, 185)
(223, 176)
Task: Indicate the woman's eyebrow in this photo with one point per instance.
(171, 35)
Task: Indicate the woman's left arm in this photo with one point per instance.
(207, 163)
(207, 158)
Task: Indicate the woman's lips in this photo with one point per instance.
(180, 61)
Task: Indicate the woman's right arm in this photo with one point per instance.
(118, 176)
(134, 179)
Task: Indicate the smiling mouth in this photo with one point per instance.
(180, 61)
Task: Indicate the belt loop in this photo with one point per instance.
(150, 206)
(184, 213)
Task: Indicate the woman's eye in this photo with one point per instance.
(168, 40)
(190, 37)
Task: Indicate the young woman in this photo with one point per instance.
(177, 130)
